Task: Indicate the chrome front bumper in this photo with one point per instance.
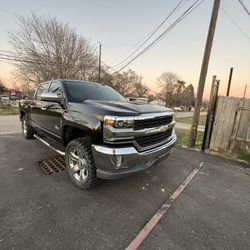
(114, 163)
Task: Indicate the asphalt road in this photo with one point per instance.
(39, 211)
(181, 125)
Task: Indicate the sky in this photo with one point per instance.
(119, 25)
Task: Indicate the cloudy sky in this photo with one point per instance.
(119, 25)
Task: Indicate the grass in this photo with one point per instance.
(188, 120)
(183, 141)
(9, 110)
(183, 138)
(244, 155)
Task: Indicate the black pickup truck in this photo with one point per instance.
(101, 133)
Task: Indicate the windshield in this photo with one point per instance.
(78, 91)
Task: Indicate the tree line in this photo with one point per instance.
(45, 48)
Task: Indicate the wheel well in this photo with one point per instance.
(71, 133)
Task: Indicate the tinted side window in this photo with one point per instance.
(41, 89)
(56, 88)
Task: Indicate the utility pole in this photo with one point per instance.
(229, 80)
(99, 68)
(203, 73)
(210, 113)
(245, 91)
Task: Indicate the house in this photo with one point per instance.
(158, 102)
(12, 93)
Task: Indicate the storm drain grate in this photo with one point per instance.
(53, 165)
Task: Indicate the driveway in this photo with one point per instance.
(39, 211)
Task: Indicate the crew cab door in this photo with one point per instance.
(52, 112)
(36, 112)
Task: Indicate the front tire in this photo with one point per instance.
(27, 130)
(80, 163)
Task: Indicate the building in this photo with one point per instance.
(12, 93)
(158, 102)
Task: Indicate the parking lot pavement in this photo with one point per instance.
(39, 211)
(212, 213)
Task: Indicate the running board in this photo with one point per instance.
(47, 144)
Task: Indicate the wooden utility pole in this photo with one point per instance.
(229, 80)
(100, 57)
(203, 73)
(210, 113)
(245, 91)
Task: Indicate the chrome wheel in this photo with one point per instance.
(24, 127)
(78, 165)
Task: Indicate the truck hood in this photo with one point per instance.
(101, 108)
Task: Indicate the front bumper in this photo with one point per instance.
(132, 161)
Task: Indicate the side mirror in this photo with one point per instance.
(51, 97)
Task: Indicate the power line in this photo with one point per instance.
(151, 33)
(146, 36)
(8, 12)
(244, 7)
(236, 24)
(164, 33)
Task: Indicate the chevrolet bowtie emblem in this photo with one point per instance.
(164, 128)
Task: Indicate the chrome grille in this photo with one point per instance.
(151, 140)
(152, 122)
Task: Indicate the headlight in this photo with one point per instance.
(118, 123)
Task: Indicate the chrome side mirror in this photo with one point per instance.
(51, 97)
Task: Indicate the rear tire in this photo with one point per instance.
(80, 164)
(27, 130)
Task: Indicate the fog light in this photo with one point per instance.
(116, 160)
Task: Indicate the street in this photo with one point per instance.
(181, 125)
(40, 211)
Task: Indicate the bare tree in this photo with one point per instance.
(187, 97)
(48, 49)
(168, 82)
(126, 82)
(179, 89)
(2, 87)
(141, 89)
